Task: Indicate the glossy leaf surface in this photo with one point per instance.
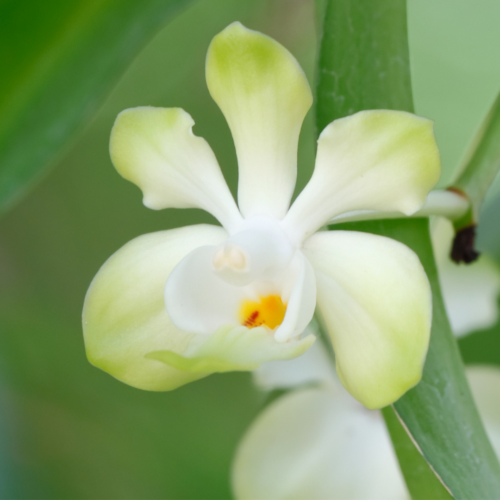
(363, 61)
(439, 412)
(422, 483)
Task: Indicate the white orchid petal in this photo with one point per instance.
(443, 203)
(312, 367)
(470, 294)
(485, 383)
(470, 291)
(302, 301)
(317, 444)
(442, 234)
(124, 315)
(264, 95)
(156, 149)
(232, 348)
(373, 160)
(199, 301)
(375, 299)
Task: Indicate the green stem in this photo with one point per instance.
(481, 166)
(368, 38)
(364, 64)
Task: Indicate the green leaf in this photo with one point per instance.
(483, 346)
(422, 483)
(58, 61)
(439, 412)
(363, 60)
(364, 64)
(482, 163)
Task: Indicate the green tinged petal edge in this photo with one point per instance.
(232, 349)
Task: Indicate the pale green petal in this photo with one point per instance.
(264, 95)
(373, 160)
(485, 385)
(375, 299)
(233, 348)
(156, 149)
(317, 444)
(124, 315)
(470, 291)
(440, 202)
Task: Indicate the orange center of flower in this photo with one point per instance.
(269, 311)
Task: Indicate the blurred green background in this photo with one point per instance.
(68, 430)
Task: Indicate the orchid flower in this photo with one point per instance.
(174, 306)
(318, 442)
(315, 442)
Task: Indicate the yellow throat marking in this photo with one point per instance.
(269, 311)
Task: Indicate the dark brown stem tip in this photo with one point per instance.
(463, 245)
